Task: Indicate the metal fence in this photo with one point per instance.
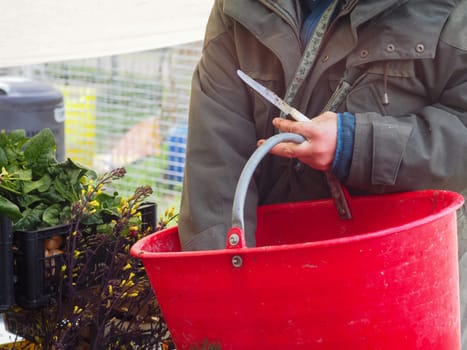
(127, 110)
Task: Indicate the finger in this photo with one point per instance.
(283, 125)
(279, 149)
(287, 149)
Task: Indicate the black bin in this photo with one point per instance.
(31, 105)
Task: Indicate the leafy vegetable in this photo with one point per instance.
(36, 190)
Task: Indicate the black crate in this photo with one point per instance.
(38, 277)
(148, 215)
(6, 264)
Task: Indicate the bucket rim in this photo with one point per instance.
(457, 202)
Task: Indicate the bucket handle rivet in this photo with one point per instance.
(237, 261)
(234, 239)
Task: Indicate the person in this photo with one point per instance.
(384, 83)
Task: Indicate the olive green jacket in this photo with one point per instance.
(414, 51)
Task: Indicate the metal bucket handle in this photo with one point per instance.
(236, 234)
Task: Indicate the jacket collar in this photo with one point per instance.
(273, 23)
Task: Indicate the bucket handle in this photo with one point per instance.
(236, 234)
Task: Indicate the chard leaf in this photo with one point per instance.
(51, 215)
(39, 151)
(3, 158)
(12, 143)
(18, 138)
(9, 209)
(41, 185)
(31, 220)
(51, 196)
(108, 201)
(64, 190)
(24, 174)
(91, 220)
(27, 200)
(65, 214)
(70, 170)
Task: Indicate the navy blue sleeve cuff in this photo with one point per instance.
(345, 140)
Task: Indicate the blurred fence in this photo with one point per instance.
(127, 110)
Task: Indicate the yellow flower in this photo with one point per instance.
(4, 172)
(94, 203)
(171, 212)
(130, 284)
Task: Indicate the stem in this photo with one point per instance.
(9, 189)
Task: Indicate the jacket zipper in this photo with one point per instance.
(285, 16)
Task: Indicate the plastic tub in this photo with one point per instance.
(385, 279)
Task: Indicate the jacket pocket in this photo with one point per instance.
(389, 88)
(387, 160)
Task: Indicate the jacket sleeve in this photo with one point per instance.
(423, 149)
(221, 137)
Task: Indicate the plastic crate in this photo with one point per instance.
(6, 264)
(38, 277)
(148, 215)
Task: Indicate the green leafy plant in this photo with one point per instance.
(36, 190)
(103, 299)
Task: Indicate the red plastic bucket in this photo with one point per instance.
(386, 279)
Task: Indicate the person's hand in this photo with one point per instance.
(321, 139)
